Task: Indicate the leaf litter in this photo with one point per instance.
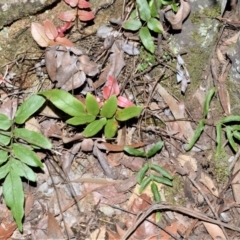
(94, 175)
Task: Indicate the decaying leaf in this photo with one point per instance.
(177, 20)
(67, 68)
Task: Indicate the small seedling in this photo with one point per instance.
(146, 176)
(17, 155)
(94, 115)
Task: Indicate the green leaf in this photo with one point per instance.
(230, 138)
(232, 118)
(174, 7)
(109, 108)
(141, 174)
(3, 157)
(26, 155)
(154, 25)
(64, 101)
(133, 14)
(161, 170)
(132, 24)
(94, 127)
(14, 196)
(92, 104)
(146, 39)
(234, 127)
(4, 139)
(157, 146)
(163, 180)
(22, 169)
(5, 122)
(156, 194)
(128, 113)
(236, 135)
(196, 135)
(154, 8)
(28, 108)
(82, 119)
(207, 102)
(110, 128)
(4, 170)
(219, 138)
(144, 183)
(32, 137)
(134, 152)
(144, 10)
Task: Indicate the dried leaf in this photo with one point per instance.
(53, 230)
(89, 67)
(214, 230)
(38, 33)
(208, 182)
(177, 20)
(87, 145)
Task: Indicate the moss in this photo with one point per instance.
(173, 194)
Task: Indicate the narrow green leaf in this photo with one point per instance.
(207, 102)
(128, 113)
(134, 152)
(144, 183)
(236, 135)
(232, 118)
(110, 128)
(156, 194)
(32, 137)
(157, 147)
(146, 39)
(219, 138)
(144, 10)
(82, 119)
(154, 25)
(94, 127)
(4, 139)
(141, 174)
(166, 2)
(14, 196)
(161, 170)
(174, 7)
(5, 122)
(22, 169)
(196, 135)
(28, 108)
(132, 24)
(234, 127)
(109, 108)
(162, 180)
(92, 104)
(26, 155)
(64, 101)
(4, 170)
(230, 138)
(3, 157)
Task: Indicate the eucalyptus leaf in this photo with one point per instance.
(14, 196)
(146, 39)
(94, 127)
(157, 146)
(26, 155)
(5, 122)
(82, 119)
(128, 113)
(92, 105)
(110, 128)
(64, 101)
(32, 138)
(109, 108)
(28, 108)
(196, 135)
